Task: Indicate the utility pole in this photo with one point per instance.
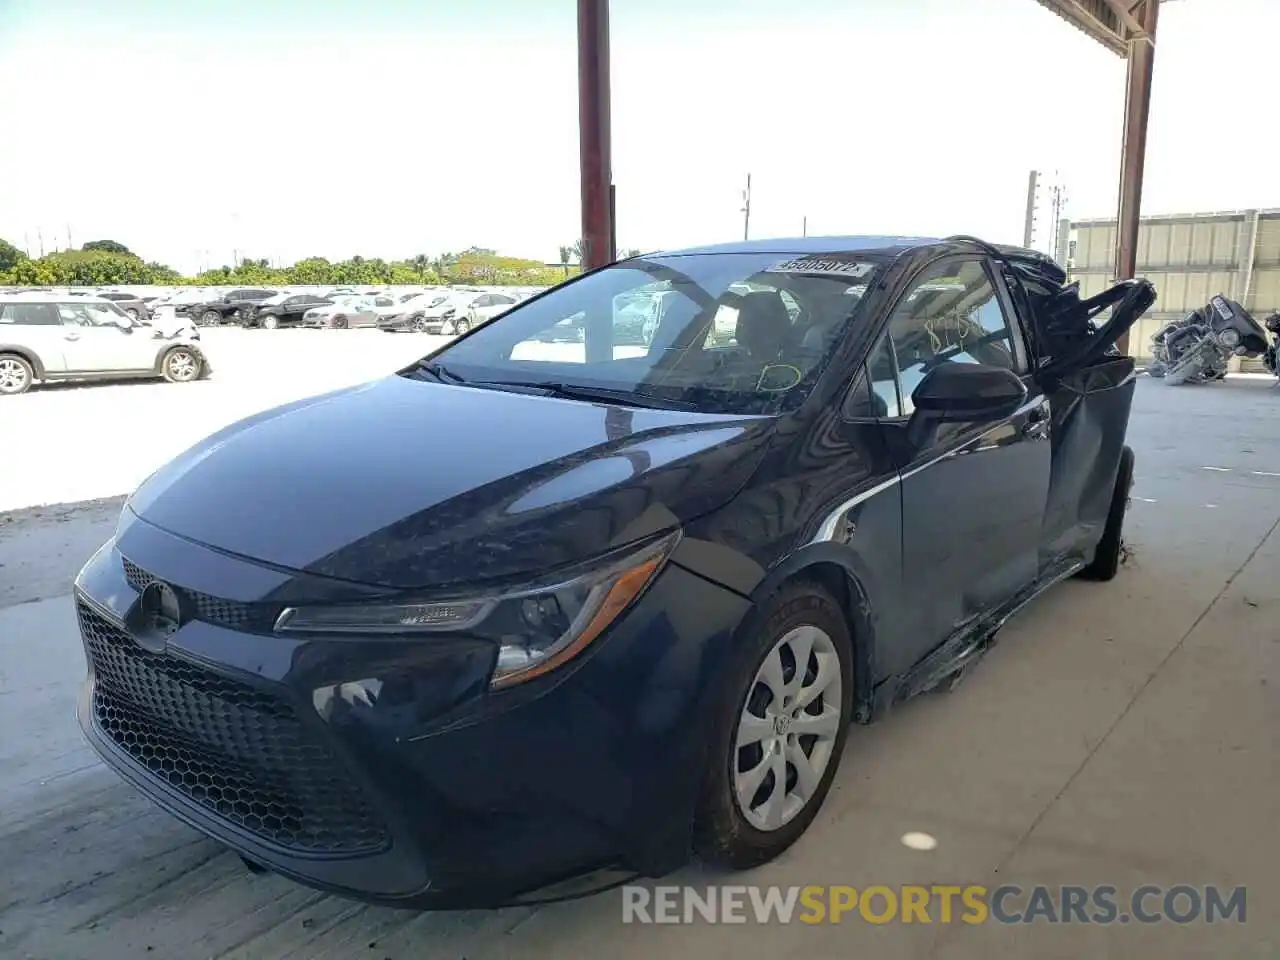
(746, 210)
(1059, 194)
(804, 230)
(70, 245)
(595, 139)
(1029, 229)
(40, 240)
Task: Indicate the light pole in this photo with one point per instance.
(746, 210)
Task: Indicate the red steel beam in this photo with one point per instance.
(594, 133)
(1133, 151)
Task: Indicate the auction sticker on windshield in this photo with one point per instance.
(825, 264)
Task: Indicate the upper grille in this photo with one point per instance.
(225, 613)
(230, 748)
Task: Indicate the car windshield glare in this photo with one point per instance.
(743, 333)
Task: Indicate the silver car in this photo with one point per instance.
(51, 337)
(344, 312)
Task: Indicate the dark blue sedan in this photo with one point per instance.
(538, 606)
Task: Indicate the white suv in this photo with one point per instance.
(46, 336)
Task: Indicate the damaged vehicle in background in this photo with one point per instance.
(48, 336)
(1198, 348)
(640, 618)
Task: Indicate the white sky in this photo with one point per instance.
(287, 139)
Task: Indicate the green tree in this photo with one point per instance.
(406, 273)
(629, 252)
(313, 270)
(10, 256)
(421, 263)
(30, 273)
(106, 246)
(566, 254)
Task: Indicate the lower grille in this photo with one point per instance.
(233, 750)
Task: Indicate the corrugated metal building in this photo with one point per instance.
(1189, 257)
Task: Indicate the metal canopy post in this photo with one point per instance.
(594, 133)
(1137, 109)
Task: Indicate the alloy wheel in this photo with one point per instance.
(269, 322)
(788, 729)
(13, 375)
(182, 366)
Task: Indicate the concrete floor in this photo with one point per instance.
(1121, 733)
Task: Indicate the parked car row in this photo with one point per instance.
(447, 310)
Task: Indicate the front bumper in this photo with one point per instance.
(447, 796)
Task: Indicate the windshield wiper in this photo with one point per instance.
(575, 391)
(438, 370)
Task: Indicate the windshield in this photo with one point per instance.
(720, 333)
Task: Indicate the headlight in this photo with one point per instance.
(1229, 337)
(536, 628)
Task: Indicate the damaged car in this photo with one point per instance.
(1199, 347)
(637, 621)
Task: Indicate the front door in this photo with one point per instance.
(95, 342)
(974, 494)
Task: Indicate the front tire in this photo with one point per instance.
(1106, 559)
(340, 323)
(181, 365)
(269, 322)
(419, 325)
(210, 318)
(16, 375)
(461, 326)
(780, 730)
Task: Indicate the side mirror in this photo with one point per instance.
(124, 323)
(964, 393)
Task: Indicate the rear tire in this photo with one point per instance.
(1106, 560)
(340, 323)
(745, 817)
(16, 375)
(210, 318)
(269, 322)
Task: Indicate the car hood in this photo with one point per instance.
(406, 483)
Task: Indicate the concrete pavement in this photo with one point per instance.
(1121, 733)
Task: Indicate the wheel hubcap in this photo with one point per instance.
(182, 366)
(788, 728)
(13, 376)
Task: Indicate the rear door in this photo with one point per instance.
(973, 496)
(35, 328)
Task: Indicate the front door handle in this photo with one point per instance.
(71, 336)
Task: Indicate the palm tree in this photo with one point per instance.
(420, 263)
(566, 254)
(576, 249)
